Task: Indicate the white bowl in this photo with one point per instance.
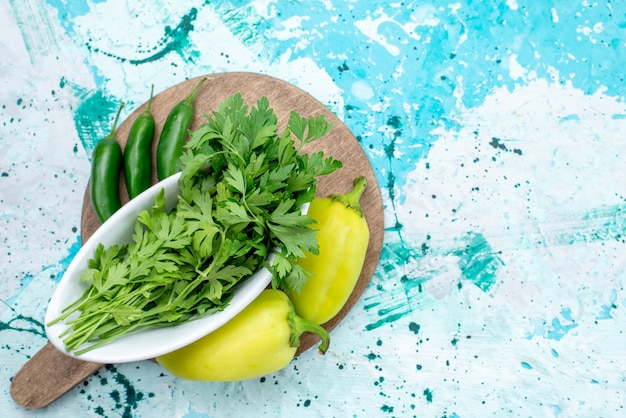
(148, 343)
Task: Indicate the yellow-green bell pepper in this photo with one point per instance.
(261, 339)
(343, 238)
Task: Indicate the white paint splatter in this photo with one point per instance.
(362, 90)
(516, 71)
(424, 15)
(544, 165)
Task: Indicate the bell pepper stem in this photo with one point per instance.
(351, 199)
(300, 325)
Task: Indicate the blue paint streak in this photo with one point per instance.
(193, 414)
(556, 329)
(605, 310)
(69, 11)
(53, 271)
(567, 314)
(478, 262)
(434, 60)
(24, 283)
(63, 264)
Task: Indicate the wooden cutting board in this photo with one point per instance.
(50, 373)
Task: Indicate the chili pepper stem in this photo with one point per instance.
(147, 112)
(351, 199)
(117, 116)
(300, 325)
(190, 99)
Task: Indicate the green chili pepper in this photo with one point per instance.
(343, 238)
(174, 133)
(261, 339)
(138, 152)
(106, 165)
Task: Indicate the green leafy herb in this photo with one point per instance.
(241, 190)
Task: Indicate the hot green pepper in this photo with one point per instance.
(174, 133)
(138, 152)
(261, 339)
(106, 164)
(343, 238)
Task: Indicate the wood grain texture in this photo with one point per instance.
(50, 373)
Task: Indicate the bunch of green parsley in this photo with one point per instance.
(242, 187)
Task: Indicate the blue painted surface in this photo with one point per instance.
(495, 130)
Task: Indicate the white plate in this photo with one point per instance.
(148, 343)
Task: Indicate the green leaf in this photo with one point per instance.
(232, 213)
(231, 274)
(319, 165)
(277, 178)
(198, 138)
(281, 266)
(294, 239)
(256, 166)
(296, 278)
(308, 130)
(259, 199)
(297, 124)
(191, 164)
(124, 315)
(285, 150)
(264, 134)
(234, 177)
(317, 128)
(203, 237)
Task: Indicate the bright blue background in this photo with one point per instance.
(481, 295)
